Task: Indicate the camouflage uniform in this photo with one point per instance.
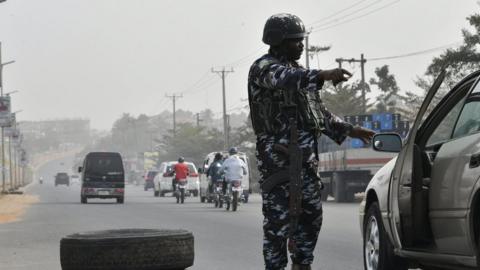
(269, 75)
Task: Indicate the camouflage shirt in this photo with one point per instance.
(270, 73)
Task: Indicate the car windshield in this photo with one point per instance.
(104, 165)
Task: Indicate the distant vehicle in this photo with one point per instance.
(148, 177)
(102, 177)
(163, 180)
(74, 179)
(62, 178)
(205, 195)
(422, 209)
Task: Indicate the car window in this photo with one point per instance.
(469, 121)
(104, 165)
(443, 132)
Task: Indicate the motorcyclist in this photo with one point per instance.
(181, 170)
(233, 167)
(213, 173)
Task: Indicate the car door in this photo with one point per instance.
(413, 174)
(403, 191)
(455, 172)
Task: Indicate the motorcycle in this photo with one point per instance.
(218, 194)
(180, 190)
(234, 193)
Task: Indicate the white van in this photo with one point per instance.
(163, 180)
(204, 181)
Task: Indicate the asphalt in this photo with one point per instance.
(223, 240)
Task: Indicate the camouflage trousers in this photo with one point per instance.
(276, 224)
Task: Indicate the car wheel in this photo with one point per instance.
(202, 199)
(127, 249)
(120, 199)
(377, 249)
(83, 199)
(162, 194)
(156, 193)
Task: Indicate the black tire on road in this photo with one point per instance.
(162, 194)
(120, 199)
(83, 199)
(156, 193)
(127, 249)
(202, 199)
(387, 260)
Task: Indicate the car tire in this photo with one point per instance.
(156, 193)
(202, 199)
(377, 249)
(162, 194)
(83, 199)
(127, 249)
(120, 200)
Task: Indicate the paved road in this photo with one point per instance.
(223, 240)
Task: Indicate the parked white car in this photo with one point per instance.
(163, 180)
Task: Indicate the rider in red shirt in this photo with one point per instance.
(181, 169)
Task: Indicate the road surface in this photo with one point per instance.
(223, 240)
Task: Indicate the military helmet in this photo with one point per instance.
(218, 156)
(282, 26)
(233, 151)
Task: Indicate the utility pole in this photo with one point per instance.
(222, 74)
(198, 119)
(362, 62)
(174, 98)
(2, 130)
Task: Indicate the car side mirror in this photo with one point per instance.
(80, 169)
(387, 142)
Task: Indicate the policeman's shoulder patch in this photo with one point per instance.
(264, 62)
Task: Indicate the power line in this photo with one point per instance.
(336, 13)
(414, 53)
(348, 15)
(356, 18)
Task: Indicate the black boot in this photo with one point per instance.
(301, 267)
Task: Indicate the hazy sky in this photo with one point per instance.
(98, 59)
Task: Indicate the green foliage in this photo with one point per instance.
(343, 99)
(387, 84)
(461, 60)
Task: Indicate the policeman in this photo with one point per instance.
(276, 82)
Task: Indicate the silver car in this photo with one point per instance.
(422, 209)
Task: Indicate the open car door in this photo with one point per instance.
(407, 203)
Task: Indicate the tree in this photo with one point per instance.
(459, 62)
(343, 99)
(387, 101)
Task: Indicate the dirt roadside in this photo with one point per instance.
(12, 207)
